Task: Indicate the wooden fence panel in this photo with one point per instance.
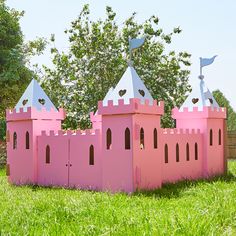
(231, 144)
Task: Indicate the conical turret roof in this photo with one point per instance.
(200, 97)
(34, 96)
(129, 86)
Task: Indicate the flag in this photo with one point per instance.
(136, 43)
(206, 61)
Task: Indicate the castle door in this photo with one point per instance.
(53, 161)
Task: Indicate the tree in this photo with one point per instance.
(223, 102)
(97, 58)
(15, 73)
(14, 76)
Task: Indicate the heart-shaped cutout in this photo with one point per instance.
(141, 92)
(41, 101)
(195, 100)
(24, 101)
(122, 92)
(210, 100)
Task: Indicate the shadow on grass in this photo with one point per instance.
(174, 190)
(168, 190)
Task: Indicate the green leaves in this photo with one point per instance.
(14, 76)
(223, 102)
(97, 58)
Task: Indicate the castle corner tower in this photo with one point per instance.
(201, 111)
(33, 113)
(130, 120)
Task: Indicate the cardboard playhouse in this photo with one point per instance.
(125, 150)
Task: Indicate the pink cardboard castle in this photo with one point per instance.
(125, 150)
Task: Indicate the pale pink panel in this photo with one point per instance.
(134, 106)
(38, 127)
(34, 114)
(215, 152)
(206, 112)
(117, 163)
(147, 160)
(20, 159)
(81, 173)
(56, 172)
(96, 121)
(183, 169)
(213, 156)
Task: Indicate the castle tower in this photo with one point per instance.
(130, 127)
(33, 113)
(201, 111)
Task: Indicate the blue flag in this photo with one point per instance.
(136, 43)
(206, 61)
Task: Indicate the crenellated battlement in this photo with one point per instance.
(206, 112)
(134, 106)
(96, 120)
(95, 117)
(68, 133)
(32, 113)
(180, 131)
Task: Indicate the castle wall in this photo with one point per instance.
(38, 126)
(81, 174)
(54, 173)
(185, 167)
(69, 159)
(206, 120)
(96, 121)
(20, 159)
(23, 162)
(117, 170)
(83, 159)
(31, 120)
(215, 152)
(147, 160)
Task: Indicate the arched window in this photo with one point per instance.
(47, 154)
(219, 137)
(14, 140)
(211, 137)
(155, 138)
(166, 153)
(127, 138)
(109, 139)
(91, 155)
(141, 138)
(27, 145)
(177, 152)
(187, 152)
(196, 151)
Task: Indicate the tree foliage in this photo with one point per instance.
(97, 58)
(15, 56)
(223, 102)
(14, 76)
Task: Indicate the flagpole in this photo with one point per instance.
(201, 75)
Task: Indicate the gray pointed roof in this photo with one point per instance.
(34, 96)
(200, 97)
(129, 86)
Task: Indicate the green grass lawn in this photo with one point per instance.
(186, 208)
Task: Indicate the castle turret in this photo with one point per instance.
(130, 127)
(33, 113)
(201, 111)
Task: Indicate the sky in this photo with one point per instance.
(208, 29)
